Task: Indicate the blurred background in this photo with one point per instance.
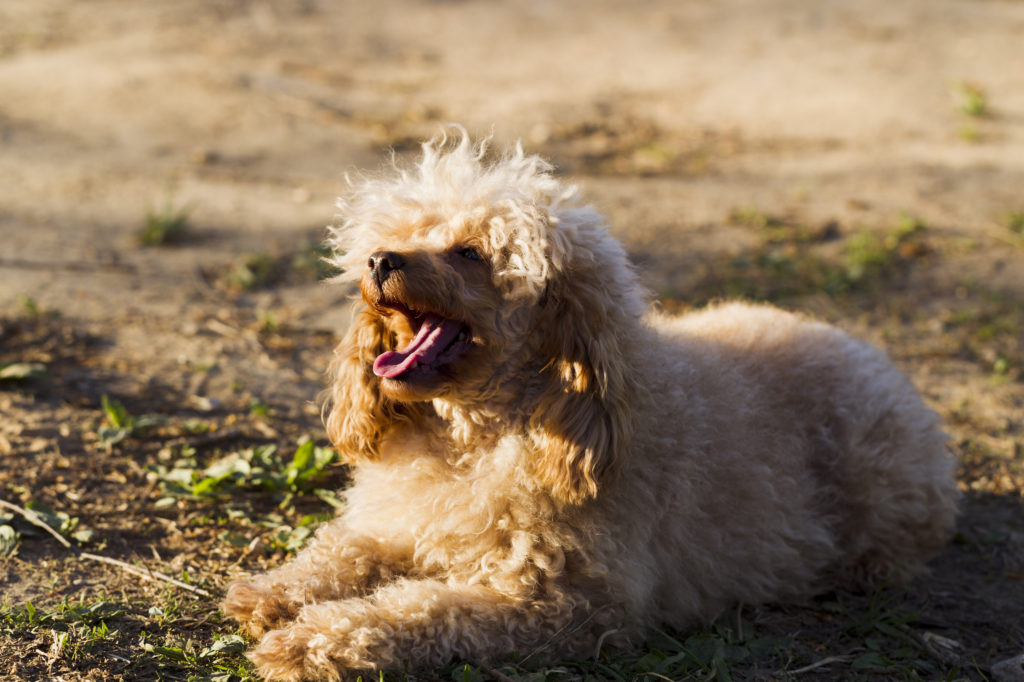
(167, 170)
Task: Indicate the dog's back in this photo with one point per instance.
(773, 453)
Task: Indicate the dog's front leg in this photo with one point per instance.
(426, 623)
(337, 563)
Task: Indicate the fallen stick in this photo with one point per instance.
(34, 519)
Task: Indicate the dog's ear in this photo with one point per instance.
(581, 425)
(357, 415)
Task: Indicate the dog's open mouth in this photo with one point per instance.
(438, 342)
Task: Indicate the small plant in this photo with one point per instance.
(973, 101)
(31, 308)
(164, 225)
(257, 467)
(268, 321)
(223, 660)
(871, 257)
(119, 423)
(311, 263)
(753, 217)
(1015, 222)
(254, 271)
(61, 522)
(258, 408)
(9, 538)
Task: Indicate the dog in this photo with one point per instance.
(542, 464)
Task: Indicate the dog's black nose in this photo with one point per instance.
(382, 263)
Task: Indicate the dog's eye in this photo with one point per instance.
(469, 253)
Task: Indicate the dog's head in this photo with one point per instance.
(486, 284)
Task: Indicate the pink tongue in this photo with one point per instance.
(434, 335)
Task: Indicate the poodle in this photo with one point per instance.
(542, 464)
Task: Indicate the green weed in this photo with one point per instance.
(75, 628)
(119, 424)
(870, 257)
(151, 638)
(254, 468)
(164, 225)
(258, 408)
(33, 310)
(222, 661)
(253, 271)
(720, 652)
(788, 260)
(1015, 222)
(63, 523)
(972, 100)
(261, 270)
(9, 538)
(311, 263)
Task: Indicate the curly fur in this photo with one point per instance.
(589, 469)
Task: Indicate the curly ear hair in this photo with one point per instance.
(357, 415)
(581, 423)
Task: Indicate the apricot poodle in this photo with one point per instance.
(541, 464)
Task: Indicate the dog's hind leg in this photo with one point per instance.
(898, 486)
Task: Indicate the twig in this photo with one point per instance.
(34, 519)
(819, 664)
(148, 574)
(659, 675)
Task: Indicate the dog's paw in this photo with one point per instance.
(257, 608)
(302, 652)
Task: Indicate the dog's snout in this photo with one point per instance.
(383, 263)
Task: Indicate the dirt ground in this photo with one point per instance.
(862, 162)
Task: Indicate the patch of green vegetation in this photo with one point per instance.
(281, 536)
(885, 638)
(719, 652)
(869, 257)
(990, 332)
(268, 321)
(63, 523)
(74, 628)
(164, 225)
(253, 271)
(261, 270)
(972, 100)
(969, 133)
(105, 633)
(1015, 222)
(222, 661)
(9, 538)
(33, 310)
(254, 468)
(119, 424)
(258, 408)
(788, 260)
(311, 263)
(753, 217)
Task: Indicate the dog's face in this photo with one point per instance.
(486, 286)
(437, 290)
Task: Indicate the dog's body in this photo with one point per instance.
(540, 465)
